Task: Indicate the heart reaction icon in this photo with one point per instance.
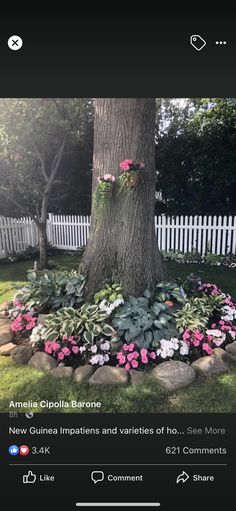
(24, 450)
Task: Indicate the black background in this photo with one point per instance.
(117, 53)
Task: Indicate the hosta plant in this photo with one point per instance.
(169, 292)
(196, 312)
(143, 322)
(52, 290)
(87, 322)
(110, 293)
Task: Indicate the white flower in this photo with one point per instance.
(94, 348)
(37, 334)
(232, 333)
(105, 346)
(109, 307)
(94, 360)
(218, 342)
(214, 333)
(184, 349)
(101, 360)
(106, 358)
(82, 348)
(230, 313)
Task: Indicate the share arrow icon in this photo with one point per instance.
(183, 477)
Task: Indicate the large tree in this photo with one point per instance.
(122, 245)
(35, 136)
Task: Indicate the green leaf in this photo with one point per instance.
(88, 337)
(108, 330)
(147, 294)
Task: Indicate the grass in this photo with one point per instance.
(21, 383)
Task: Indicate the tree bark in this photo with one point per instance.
(43, 256)
(122, 246)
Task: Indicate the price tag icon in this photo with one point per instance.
(197, 42)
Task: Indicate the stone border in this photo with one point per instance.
(172, 375)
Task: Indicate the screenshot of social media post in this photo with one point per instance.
(118, 295)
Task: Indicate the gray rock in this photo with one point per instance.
(136, 377)
(6, 334)
(6, 349)
(83, 373)
(226, 356)
(21, 354)
(173, 375)
(3, 310)
(62, 372)
(41, 319)
(107, 375)
(61, 364)
(231, 348)
(209, 365)
(41, 360)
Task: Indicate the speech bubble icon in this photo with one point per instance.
(97, 476)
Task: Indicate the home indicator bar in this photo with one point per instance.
(118, 504)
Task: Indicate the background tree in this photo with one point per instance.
(35, 136)
(196, 156)
(122, 245)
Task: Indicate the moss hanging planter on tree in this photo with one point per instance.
(104, 191)
(131, 173)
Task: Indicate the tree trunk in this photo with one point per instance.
(122, 246)
(43, 255)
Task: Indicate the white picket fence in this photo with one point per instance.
(214, 234)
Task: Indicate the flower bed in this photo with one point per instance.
(181, 324)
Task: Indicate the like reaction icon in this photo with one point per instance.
(13, 450)
(29, 478)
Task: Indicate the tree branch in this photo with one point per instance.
(41, 159)
(55, 165)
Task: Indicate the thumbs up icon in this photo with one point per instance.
(30, 478)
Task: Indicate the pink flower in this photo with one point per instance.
(135, 354)
(141, 165)
(66, 351)
(121, 358)
(143, 352)
(75, 349)
(186, 335)
(55, 346)
(131, 346)
(196, 342)
(127, 367)
(60, 355)
(124, 165)
(130, 357)
(126, 347)
(207, 348)
(198, 335)
(48, 347)
(144, 359)
(152, 355)
(134, 364)
(213, 325)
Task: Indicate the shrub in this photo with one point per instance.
(169, 291)
(87, 322)
(52, 290)
(196, 312)
(143, 322)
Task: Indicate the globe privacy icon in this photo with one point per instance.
(197, 42)
(13, 450)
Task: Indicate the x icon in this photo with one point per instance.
(15, 42)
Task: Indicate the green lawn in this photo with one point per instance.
(23, 383)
